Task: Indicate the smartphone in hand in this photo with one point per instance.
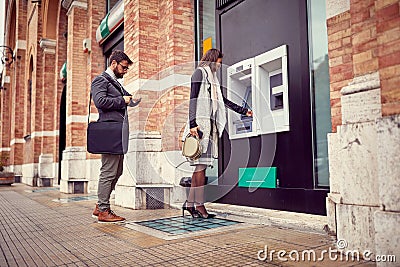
(200, 133)
(134, 102)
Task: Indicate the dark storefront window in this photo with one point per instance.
(111, 4)
(206, 39)
(319, 68)
(205, 26)
(113, 38)
(115, 42)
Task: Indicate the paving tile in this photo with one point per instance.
(35, 230)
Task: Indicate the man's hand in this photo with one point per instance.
(249, 113)
(134, 102)
(127, 99)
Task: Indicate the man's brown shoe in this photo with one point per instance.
(96, 211)
(109, 216)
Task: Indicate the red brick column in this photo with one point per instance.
(363, 27)
(17, 141)
(34, 112)
(370, 108)
(96, 12)
(76, 82)
(5, 117)
(177, 52)
(159, 38)
(74, 156)
(141, 40)
(48, 60)
(340, 61)
(388, 38)
(46, 159)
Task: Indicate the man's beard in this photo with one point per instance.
(118, 75)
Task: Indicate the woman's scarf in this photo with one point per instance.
(218, 106)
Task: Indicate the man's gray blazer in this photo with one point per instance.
(108, 99)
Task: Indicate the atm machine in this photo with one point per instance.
(267, 161)
(260, 84)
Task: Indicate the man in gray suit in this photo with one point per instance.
(111, 100)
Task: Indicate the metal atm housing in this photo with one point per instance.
(272, 94)
(240, 90)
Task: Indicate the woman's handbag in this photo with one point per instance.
(187, 181)
(191, 148)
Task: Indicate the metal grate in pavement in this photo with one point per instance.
(184, 225)
(155, 198)
(42, 189)
(75, 199)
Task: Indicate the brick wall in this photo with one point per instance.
(49, 92)
(33, 114)
(16, 156)
(362, 40)
(340, 61)
(364, 43)
(77, 75)
(159, 36)
(5, 97)
(3, 121)
(96, 12)
(12, 117)
(388, 39)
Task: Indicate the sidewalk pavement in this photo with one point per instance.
(43, 227)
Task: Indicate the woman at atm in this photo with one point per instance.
(207, 119)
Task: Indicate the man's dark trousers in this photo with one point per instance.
(111, 170)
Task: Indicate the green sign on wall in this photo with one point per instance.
(262, 177)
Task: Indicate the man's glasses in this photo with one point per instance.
(124, 67)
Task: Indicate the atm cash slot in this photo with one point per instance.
(276, 91)
(243, 125)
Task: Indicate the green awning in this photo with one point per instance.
(63, 71)
(111, 22)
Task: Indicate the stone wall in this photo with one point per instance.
(364, 148)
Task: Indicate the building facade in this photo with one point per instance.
(324, 88)
(363, 203)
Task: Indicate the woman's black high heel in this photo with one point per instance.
(208, 216)
(191, 210)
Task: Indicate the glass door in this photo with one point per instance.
(320, 87)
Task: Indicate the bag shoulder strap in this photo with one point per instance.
(116, 84)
